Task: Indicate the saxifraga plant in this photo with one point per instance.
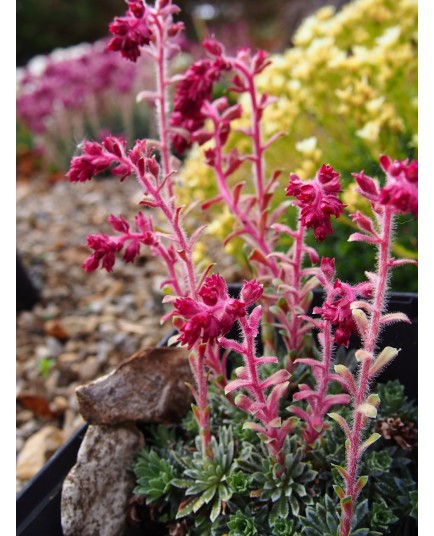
(279, 472)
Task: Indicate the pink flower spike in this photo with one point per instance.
(130, 32)
(191, 93)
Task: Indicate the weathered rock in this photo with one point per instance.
(148, 387)
(96, 491)
(37, 449)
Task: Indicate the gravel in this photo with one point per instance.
(84, 324)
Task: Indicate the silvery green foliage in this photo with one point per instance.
(238, 493)
(394, 402)
(321, 521)
(286, 495)
(154, 476)
(205, 479)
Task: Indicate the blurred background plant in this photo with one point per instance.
(346, 92)
(82, 91)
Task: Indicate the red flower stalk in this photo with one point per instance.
(153, 30)
(263, 395)
(398, 196)
(317, 200)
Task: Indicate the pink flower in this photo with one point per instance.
(317, 200)
(105, 248)
(130, 32)
(210, 318)
(328, 268)
(213, 289)
(92, 162)
(146, 227)
(194, 89)
(338, 312)
(400, 191)
(98, 158)
(213, 47)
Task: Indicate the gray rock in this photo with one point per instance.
(148, 387)
(96, 491)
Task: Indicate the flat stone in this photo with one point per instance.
(36, 451)
(148, 387)
(96, 491)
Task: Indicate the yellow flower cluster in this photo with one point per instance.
(346, 93)
(351, 81)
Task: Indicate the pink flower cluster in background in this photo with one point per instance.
(88, 76)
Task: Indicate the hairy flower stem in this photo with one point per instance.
(370, 340)
(172, 215)
(202, 410)
(291, 326)
(197, 360)
(252, 372)
(162, 101)
(258, 148)
(248, 226)
(327, 351)
(217, 366)
(295, 341)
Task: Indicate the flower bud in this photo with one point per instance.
(213, 47)
(328, 268)
(251, 292)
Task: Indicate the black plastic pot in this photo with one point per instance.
(38, 503)
(27, 295)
